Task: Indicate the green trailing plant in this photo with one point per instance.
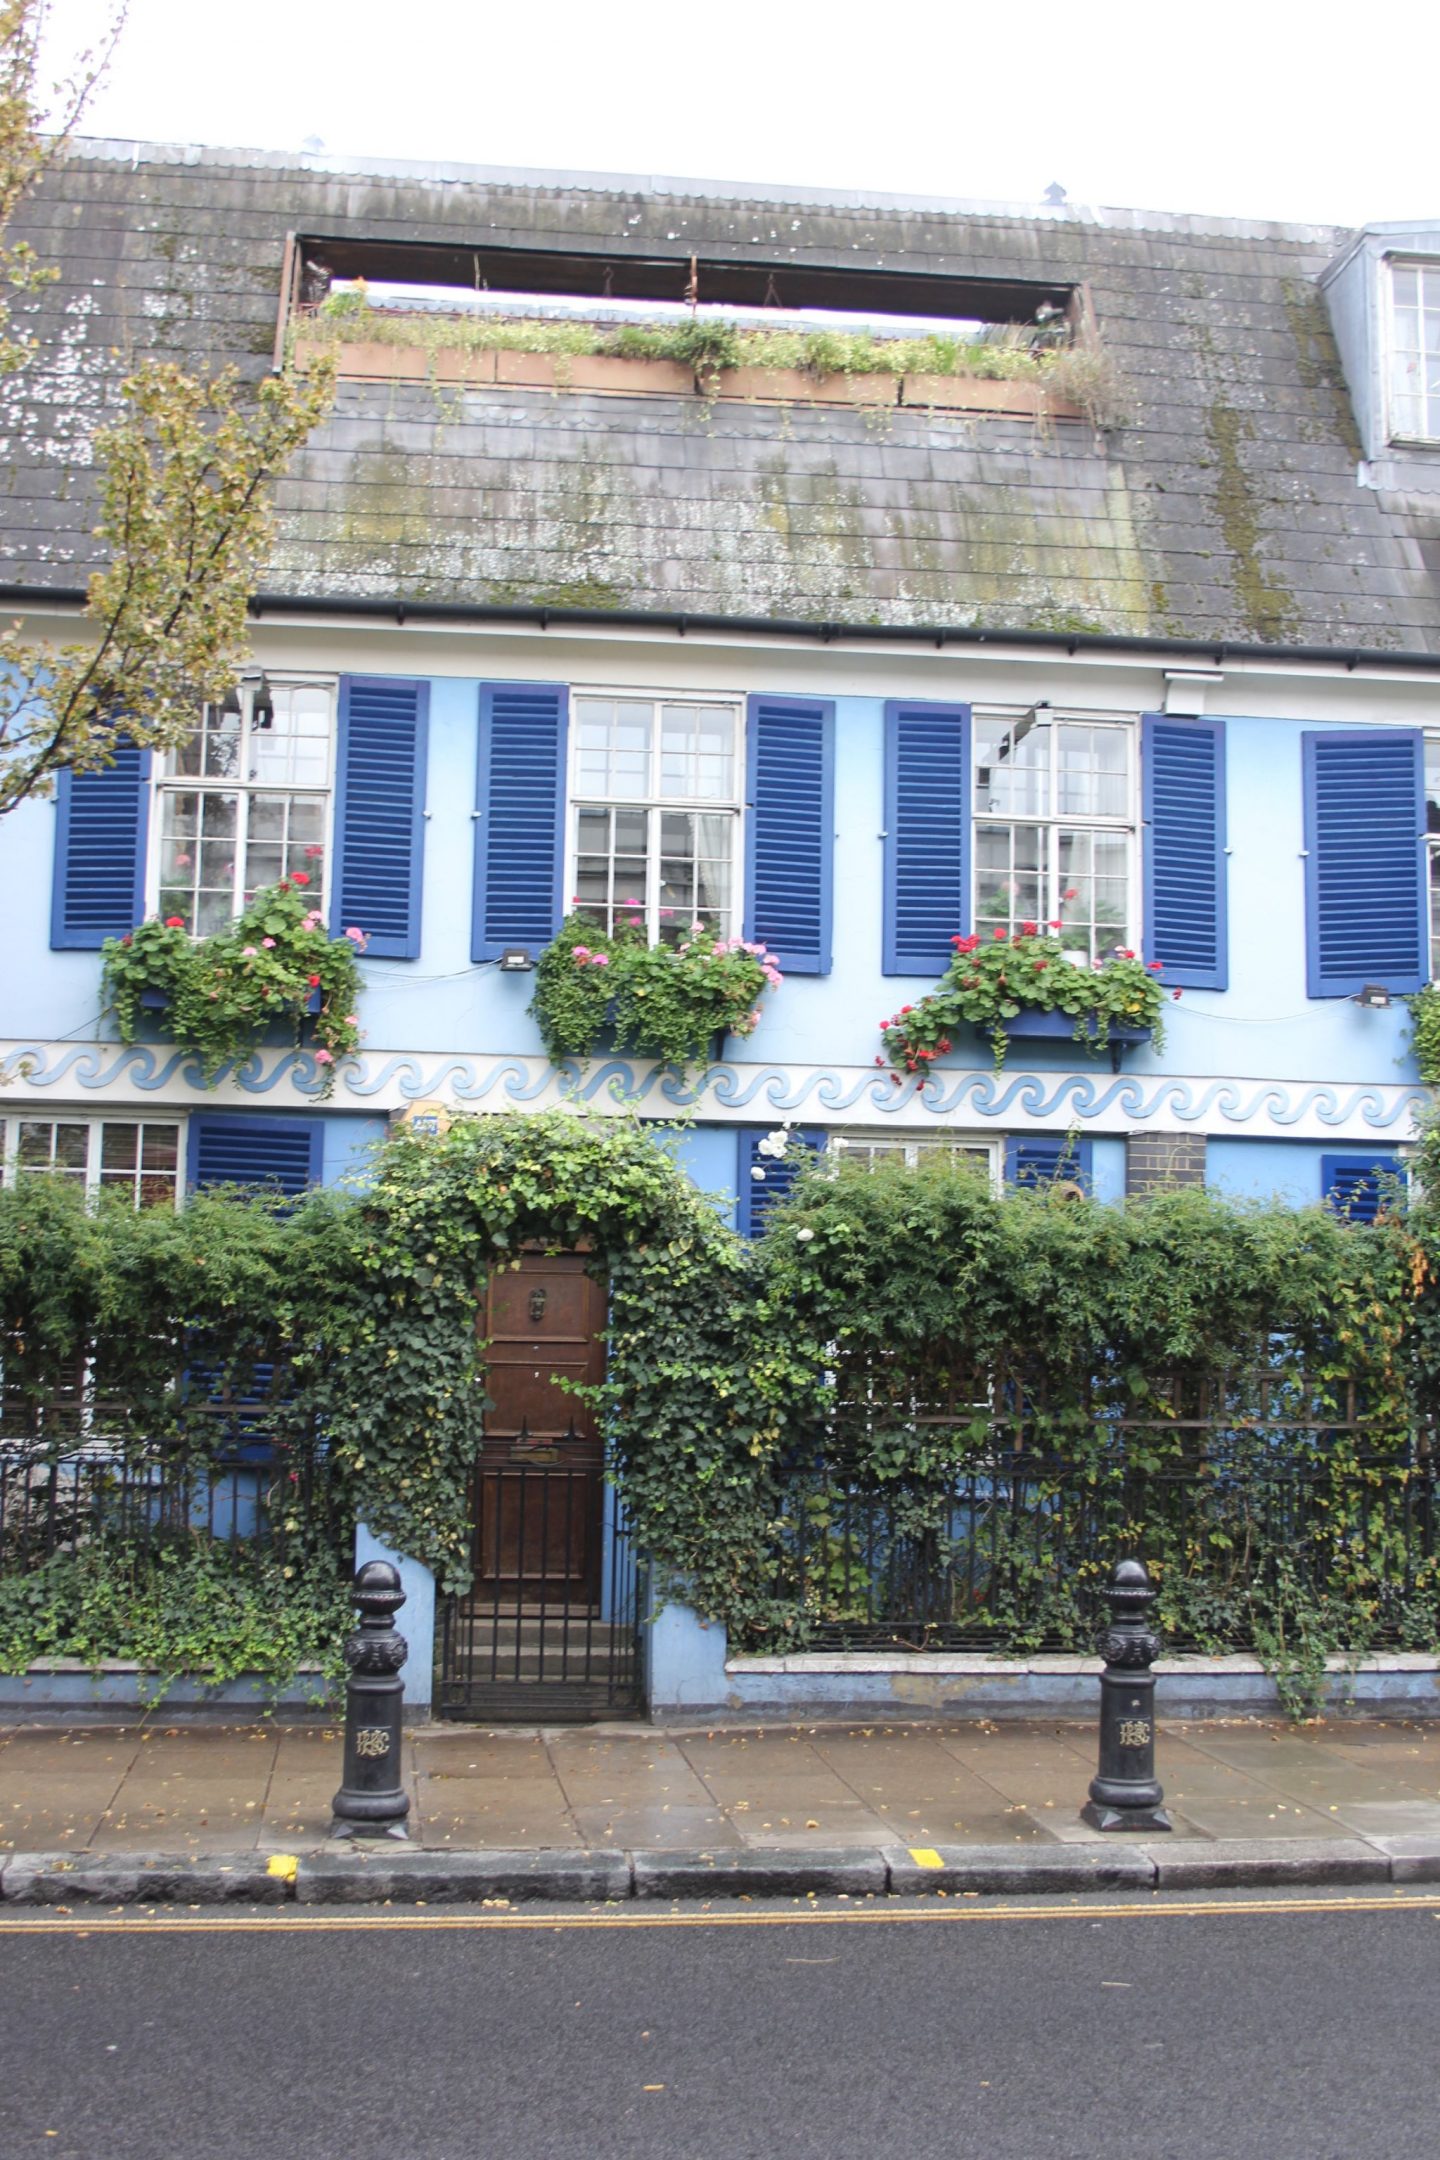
(664, 1001)
(275, 964)
(1424, 1010)
(180, 1605)
(991, 981)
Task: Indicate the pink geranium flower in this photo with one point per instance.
(268, 943)
(324, 1057)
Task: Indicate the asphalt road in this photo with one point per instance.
(1169, 2033)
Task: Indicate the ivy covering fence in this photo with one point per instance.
(915, 1411)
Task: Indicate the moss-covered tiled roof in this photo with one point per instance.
(1229, 509)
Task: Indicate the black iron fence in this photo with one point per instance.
(1011, 1550)
(141, 1498)
(549, 1628)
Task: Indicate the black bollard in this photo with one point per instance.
(1126, 1794)
(373, 1802)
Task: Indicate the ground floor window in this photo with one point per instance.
(139, 1157)
(917, 1149)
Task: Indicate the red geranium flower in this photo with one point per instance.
(299, 877)
(174, 922)
(1029, 929)
(999, 934)
(1156, 967)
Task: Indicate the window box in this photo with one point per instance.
(1036, 1026)
(159, 1001)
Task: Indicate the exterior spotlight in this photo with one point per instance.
(262, 702)
(515, 960)
(1374, 996)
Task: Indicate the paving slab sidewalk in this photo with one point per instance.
(1250, 1801)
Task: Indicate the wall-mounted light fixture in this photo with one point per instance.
(515, 960)
(262, 701)
(1374, 996)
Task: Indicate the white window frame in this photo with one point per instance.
(163, 783)
(1427, 265)
(62, 1114)
(912, 1145)
(733, 807)
(1128, 826)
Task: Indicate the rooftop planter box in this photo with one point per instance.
(429, 360)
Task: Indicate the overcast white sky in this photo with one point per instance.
(1271, 109)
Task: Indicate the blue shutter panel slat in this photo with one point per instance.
(100, 831)
(380, 812)
(1366, 909)
(284, 1154)
(1036, 1158)
(789, 845)
(1350, 1184)
(927, 835)
(758, 1198)
(520, 824)
(1183, 767)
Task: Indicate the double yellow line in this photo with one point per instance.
(1158, 1908)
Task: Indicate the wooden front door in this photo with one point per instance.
(541, 1484)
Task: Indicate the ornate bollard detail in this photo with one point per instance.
(372, 1801)
(1126, 1794)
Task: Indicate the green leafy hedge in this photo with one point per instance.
(727, 1362)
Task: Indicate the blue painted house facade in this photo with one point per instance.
(846, 679)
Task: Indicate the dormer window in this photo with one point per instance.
(1414, 352)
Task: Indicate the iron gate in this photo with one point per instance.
(548, 1632)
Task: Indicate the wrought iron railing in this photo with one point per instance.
(54, 1501)
(1010, 1551)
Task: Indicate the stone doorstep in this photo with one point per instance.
(985, 1664)
(385, 1872)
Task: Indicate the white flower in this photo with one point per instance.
(758, 1174)
(803, 1237)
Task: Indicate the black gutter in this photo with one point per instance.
(1211, 652)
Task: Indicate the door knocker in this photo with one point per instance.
(537, 1305)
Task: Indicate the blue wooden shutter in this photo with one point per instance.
(1182, 765)
(790, 837)
(283, 1154)
(277, 1155)
(1366, 910)
(103, 817)
(380, 812)
(1350, 1184)
(520, 817)
(927, 836)
(1036, 1158)
(758, 1198)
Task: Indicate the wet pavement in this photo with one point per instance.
(152, 1786)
